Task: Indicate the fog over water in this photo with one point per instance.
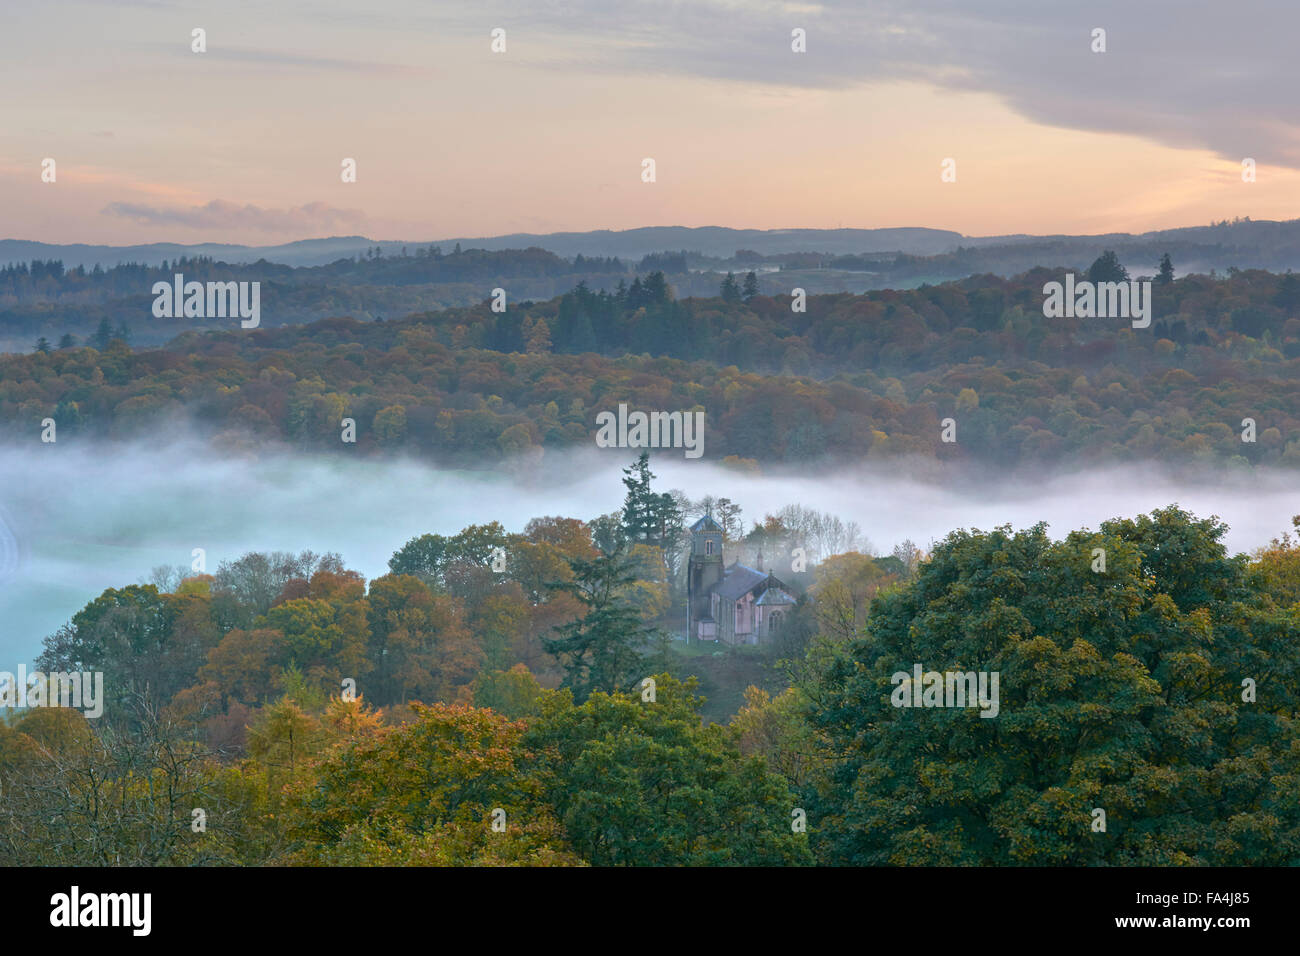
(75, 520)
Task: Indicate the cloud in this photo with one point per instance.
(219, 214)
(1184, 75)
(277, 59)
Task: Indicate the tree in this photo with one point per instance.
(908, 555)
(129, 635)
(1252, 321)
(1277, 567)
(243, 665)
(249, 585)
(426, 794)
(1107, 268)
(607, 533)
(648, 517)
(390, 426)
(1120, 690)
(67, 341)
(451, 563)
(846, 584)
(284, 738)
(537, 336)
(1166, 274)
(1288, 291)
(76, 796)
(42, 345)
(325, 638)
(103, 335)
(655, 288)
(730, 291)
(514, 693)
(751, 286)
(728, 515)
(647, 783)
(602, 650)
(775, 728)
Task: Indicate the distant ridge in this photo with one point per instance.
(630, 243)
(1244, 243)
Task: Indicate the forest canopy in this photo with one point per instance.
(853, 377)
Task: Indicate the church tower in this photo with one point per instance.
(703, 572)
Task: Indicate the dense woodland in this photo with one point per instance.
(855, 376)
(40, 297)
(503, 714)
(44, 299)
(505, 718)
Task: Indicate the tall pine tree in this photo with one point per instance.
(603, 649)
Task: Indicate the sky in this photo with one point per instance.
(245, 142)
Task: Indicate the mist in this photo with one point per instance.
(75, 520)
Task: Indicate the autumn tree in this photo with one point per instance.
(427, 794)
(845, 586)
(418, 641)
(776, 728)
(1277, 568)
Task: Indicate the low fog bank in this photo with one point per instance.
(75, 520)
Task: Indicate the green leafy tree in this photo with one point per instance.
(1166, 273)
(641, 782)
(423, 556)
(1121, 690)
(128, 634)
(444, 562)
(514, 693)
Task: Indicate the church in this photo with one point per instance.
(734, 604)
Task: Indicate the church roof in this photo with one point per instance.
(774, 596)
(737, 580)
(706, 524)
